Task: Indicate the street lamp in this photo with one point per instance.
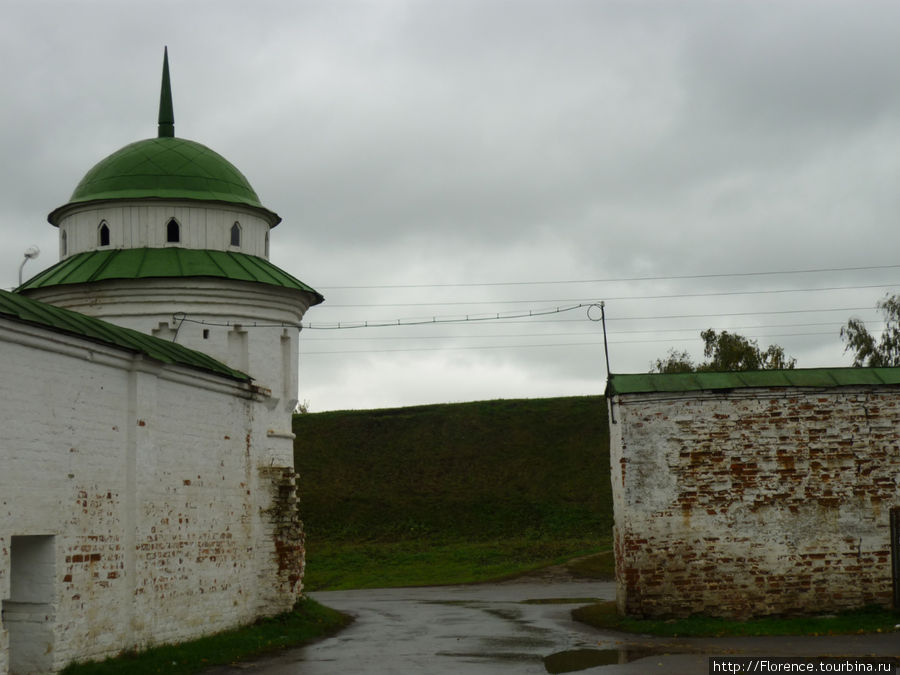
(31, 253)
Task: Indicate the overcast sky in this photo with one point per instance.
(443, 159)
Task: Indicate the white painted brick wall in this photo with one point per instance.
(148, 476)
(201, 314)
(757, 501)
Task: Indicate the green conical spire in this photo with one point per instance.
(166, 115)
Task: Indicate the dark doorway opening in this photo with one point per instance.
(28, 612)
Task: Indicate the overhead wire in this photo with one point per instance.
(539, 345)
(533, 316)
(673, 277)
(467, 318)
(380, 323)
(670, 296)
(693, 329)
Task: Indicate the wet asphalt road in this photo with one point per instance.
(443, 630)
(492, 629)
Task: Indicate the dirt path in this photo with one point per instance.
(593, 567)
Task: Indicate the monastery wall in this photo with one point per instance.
(139, 503)
(754, 501)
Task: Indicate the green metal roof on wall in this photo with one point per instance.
(63, 320)
(146, 263)
(165, 168)
(641, 383)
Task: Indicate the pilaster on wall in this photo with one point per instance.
(4, 593)
(617, 464)
(276, 446)
(140, 421)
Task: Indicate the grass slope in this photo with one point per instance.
(461, 488)
(475, 470)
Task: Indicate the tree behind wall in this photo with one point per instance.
(726, 352)
(867, 352)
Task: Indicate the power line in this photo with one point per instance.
(672, 296)
(422, 321)
(716, 315)
(695, 329)
(443, 349)
(539, 345)
(701, 316)
(499, 317)
(618, 279)
(468, 318)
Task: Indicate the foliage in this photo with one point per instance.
(675, 362)
(726, 352)
(307, 621)
(874, 619)
(866, 351)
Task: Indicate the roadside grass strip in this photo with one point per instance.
(306, 622)
(604, 616)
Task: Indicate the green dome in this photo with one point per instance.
(165, 168)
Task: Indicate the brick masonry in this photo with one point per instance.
(754, 501)
(168, 500)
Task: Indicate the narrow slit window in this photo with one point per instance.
(267, 245)
(64, 243)
(173, 232)
(104, 234)
(236, 234)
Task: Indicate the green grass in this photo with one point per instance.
(307, 621)
(603, 615)
(343, 565)
(599, 566)
(467, 471)
(456, 493)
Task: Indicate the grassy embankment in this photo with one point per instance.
(452, 493)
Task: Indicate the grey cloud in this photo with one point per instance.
(493, 140)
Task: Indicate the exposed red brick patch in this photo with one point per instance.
(736, 505)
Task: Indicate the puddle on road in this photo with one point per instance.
(561, 601)
(519, 642)
(580, 659)
(481, 657)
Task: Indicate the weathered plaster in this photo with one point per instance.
(157, 484)
(754, 501)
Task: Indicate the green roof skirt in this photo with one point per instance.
(642, 383)
(146, 263)
(63, 320)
